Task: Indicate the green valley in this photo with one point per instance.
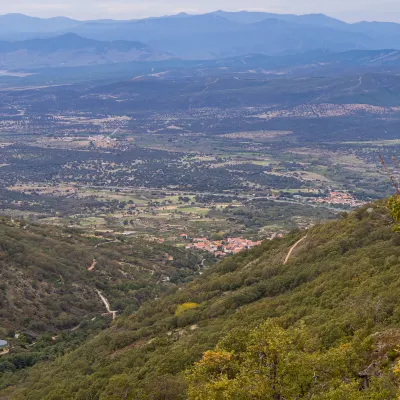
(195, 206)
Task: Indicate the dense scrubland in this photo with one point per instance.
(324, 325)
(52, 278)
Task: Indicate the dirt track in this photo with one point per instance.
(292, 249)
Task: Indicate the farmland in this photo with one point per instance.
(232, 188)
(162, 156)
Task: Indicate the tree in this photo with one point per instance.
(273, 363)
(394, 207)
(120, 388)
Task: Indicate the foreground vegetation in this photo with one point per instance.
(328, 322)
(51, 280)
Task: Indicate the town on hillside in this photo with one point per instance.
(221, 248)
(340, 198)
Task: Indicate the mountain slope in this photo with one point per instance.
(50, 277)
(250, 17)
(341, 281)
(315, 63)
(69, 42)
(166, 92)
(72, 50)
(213, 35)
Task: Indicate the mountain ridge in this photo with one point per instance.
(71, 49)
(69, 41)
(216, 34)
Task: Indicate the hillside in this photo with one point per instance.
(71, 50)
(170, 91)
(51, 278)
(248, 69)
(213, 36)
(332, 309)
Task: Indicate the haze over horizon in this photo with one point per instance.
(354, 11)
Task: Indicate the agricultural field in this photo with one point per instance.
(164, 159)
(232, 188)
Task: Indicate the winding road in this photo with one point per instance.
(107, 304)
(209, 84)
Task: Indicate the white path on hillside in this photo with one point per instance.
(4, 352)
(209, 84)
(360, 78)
(292, 249)
(107, 304)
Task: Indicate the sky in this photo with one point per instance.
(347, 10)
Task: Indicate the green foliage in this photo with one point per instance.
(332, 310)
(277, 363)
(184, 307)
(47, 291)
(394, 206)
(120, 388)
(46, 285)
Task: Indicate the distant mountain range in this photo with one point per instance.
(71, 50)
(219, 34)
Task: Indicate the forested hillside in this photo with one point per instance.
(50, 277)
(323, 325)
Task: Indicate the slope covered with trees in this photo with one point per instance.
(327, 322)
(49, 277)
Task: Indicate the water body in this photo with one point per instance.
(3, 344)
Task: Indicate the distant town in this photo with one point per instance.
(221, 248)
(340, 198)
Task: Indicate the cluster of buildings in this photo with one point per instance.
(221, 248)
(101, 138)
(341, 198)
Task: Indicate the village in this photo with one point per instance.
(340, 198)
(221, 248)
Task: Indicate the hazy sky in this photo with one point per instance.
(349, 10)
